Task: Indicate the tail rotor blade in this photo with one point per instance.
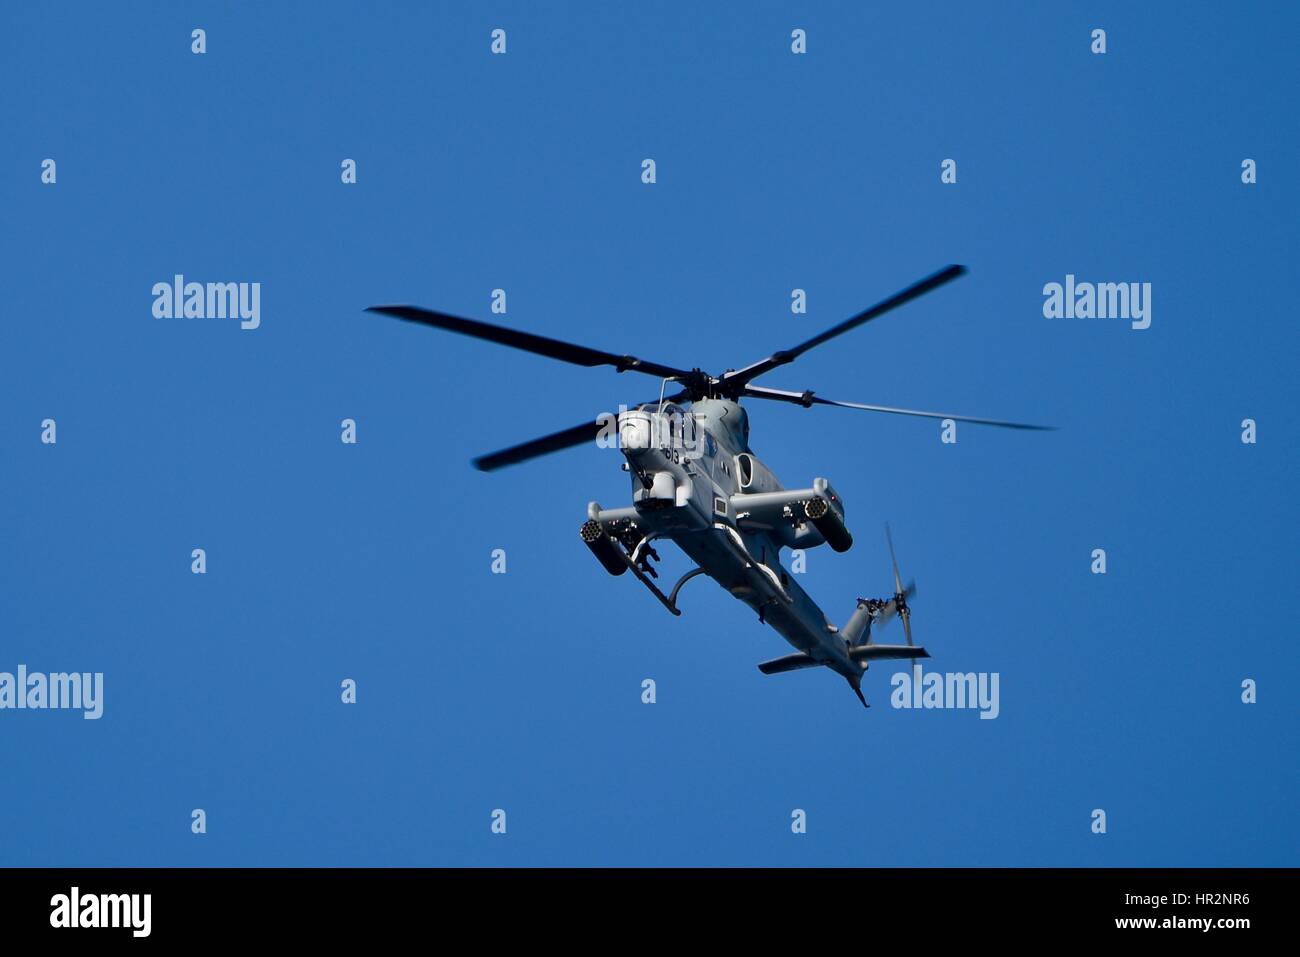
(898, 580)
(898, 604)
(886, 614)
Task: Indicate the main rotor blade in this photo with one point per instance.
(567, 438)
(585, 432)
(945, 275)
(807, 399)
(529, 342)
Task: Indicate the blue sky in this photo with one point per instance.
(522, 691)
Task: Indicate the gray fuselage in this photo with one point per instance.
(696, 482)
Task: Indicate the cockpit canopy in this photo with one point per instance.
(728, 422)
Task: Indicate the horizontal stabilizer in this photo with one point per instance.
(789, 663)
(872, 652)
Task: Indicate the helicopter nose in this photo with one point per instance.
(635, 431)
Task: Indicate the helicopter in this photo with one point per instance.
(697, 483)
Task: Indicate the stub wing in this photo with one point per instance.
(797, 661)
(873, 652)
(771, 509)
(789, 663)
(795, 518)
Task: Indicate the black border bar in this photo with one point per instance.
(333, 906)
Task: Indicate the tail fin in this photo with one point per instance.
(856, 685)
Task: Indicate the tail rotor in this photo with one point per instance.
(901, 594)
(873, 613)
(897, 604)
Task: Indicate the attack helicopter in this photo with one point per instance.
(697, 483)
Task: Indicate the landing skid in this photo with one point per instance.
(633, 564)
(644, 579)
